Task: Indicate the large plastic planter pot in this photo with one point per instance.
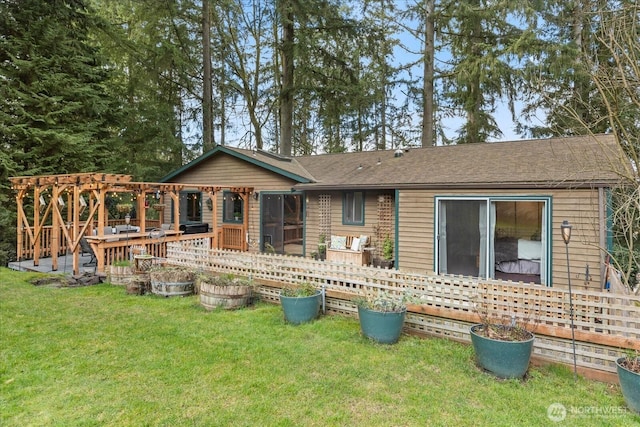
(630, 385)
(299, 310)
(383, 327)
(504, 359)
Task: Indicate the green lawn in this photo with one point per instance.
(96, 356)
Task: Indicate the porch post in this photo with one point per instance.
(75, 238)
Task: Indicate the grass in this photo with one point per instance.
(96, 356)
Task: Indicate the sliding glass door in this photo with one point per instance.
(493, 237)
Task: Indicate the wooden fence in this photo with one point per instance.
(445, 306)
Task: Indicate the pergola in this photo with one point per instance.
(48, 214)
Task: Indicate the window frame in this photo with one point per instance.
(354, 208)
(545, 275)
(225, 199)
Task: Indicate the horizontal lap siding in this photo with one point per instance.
(337, 228)
(415, 230)
(227, 171)
(579, 207)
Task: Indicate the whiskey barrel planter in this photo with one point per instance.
(228, 297)
(225, 291)
(171, 282)
(120, 275)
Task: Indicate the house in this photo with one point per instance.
(484, 210)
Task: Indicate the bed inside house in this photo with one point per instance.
(518, 259)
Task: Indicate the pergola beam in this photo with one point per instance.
(98, 185)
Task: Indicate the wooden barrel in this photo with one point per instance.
(171, 289)
(135, 287)
(228, 297)
(120, 275)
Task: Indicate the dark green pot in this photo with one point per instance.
(630, 385)
(380, 326)
(301, 309)
(504, 359)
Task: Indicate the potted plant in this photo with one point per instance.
(171, 281)
(300, 304)
(502, 343)
(224, 291)
(381, 316)
(387, 255)
(120, 272)
(628, 368)
(321, 253)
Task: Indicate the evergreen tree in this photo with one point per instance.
(56, 115)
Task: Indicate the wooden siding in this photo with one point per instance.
(312, 219)
(580, 207)
(228, 171)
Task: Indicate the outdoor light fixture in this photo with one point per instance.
(256, 195)
(565, 229)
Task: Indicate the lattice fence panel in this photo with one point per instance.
(384, 228)
(605, 323)
(324, 220)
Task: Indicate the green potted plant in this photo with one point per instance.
(300, 304)
(381, 316)
(502, 343)
(322, 248)
(387, 260)
(224, 291)
(628, 368)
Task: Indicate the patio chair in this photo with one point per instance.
(85, 247)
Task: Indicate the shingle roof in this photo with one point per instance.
(557, 162)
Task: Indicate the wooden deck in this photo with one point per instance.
(45, 265)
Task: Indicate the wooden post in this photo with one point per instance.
(98, 249)
(214, 225)
(55, 226)
(20, 219)
(141, 211)
(175, 196)
(75, 237)
(245, 221)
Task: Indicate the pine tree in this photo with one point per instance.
(56, 113)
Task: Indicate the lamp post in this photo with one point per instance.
(565, 229)
(127, 221)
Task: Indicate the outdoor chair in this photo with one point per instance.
(86, 249)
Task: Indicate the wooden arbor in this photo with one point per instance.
(50, 234)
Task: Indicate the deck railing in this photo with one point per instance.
(605, 324)
(46, 236)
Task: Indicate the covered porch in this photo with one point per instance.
(113, 217)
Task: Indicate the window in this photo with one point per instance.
(353, 208)
(493, 237)
(232, 207)
(193, 201)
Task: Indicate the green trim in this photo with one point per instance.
(396, 203)
(609, 219)
(344, 202)
(225, 193)
(249, 159)
(501, 198)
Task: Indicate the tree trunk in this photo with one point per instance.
(427, 138)
(286, 92)
(207, 95)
